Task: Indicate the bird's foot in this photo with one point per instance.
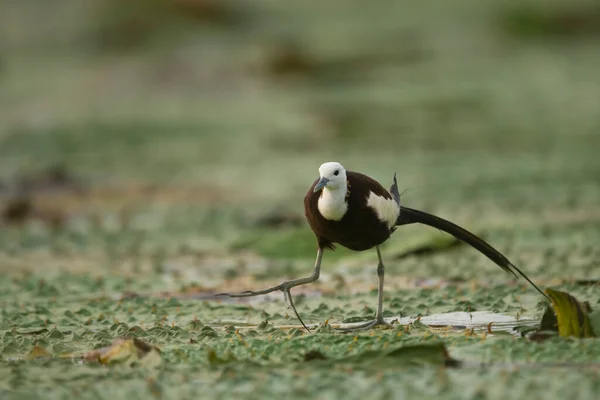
(367, 325)
(283, 286)
(252, 293)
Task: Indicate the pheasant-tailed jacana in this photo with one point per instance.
(355, 211)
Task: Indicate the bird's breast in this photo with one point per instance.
(332, 206)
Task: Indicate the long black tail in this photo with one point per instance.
(412, 216)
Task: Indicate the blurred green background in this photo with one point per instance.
(196, 122)
(165, 146)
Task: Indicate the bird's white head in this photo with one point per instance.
(333, 177)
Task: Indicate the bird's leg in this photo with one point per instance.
(285, 287)
(379, 314)
(380, 276)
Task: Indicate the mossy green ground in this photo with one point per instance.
(184, 147)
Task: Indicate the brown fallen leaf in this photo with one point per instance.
(38, 352)
(17, 210)
(126, 351)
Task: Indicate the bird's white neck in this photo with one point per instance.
(332, 203)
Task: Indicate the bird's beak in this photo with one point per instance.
(320, 185)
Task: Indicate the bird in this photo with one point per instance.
(355, 211)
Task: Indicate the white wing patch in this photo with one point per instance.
(387, 210)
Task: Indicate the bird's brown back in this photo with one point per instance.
(359, 229)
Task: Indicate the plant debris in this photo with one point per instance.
(130, 351)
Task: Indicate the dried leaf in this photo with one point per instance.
(126, 351)
(572, 316)
(38, 352)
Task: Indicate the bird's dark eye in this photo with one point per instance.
(337, 172)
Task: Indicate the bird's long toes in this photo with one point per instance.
(366, 326)
(241, 294)
(228, 294)
(245, 293)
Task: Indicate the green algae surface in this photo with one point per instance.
(152, 159)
